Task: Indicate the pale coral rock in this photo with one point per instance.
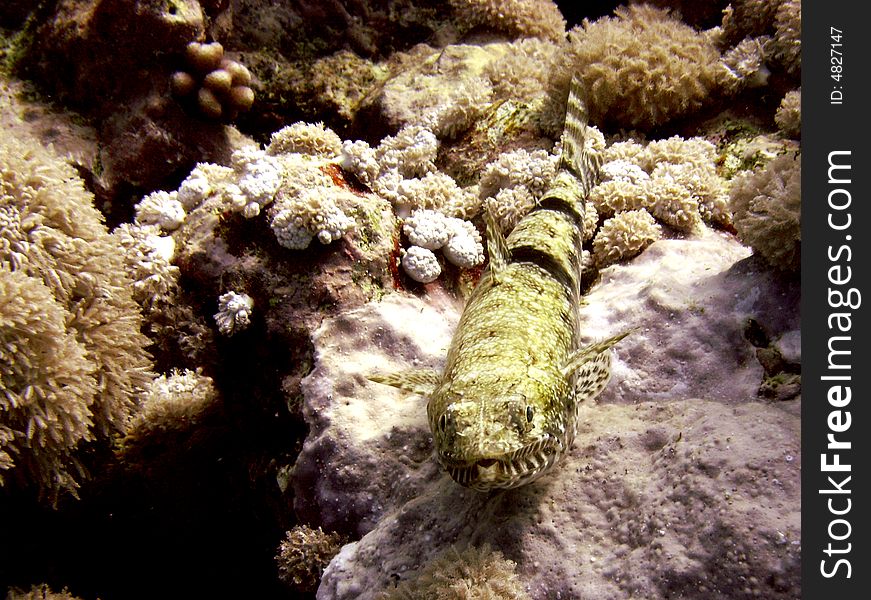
(234, 312)
(161, 208)
(421, 264)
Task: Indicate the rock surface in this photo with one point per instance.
(681, 482)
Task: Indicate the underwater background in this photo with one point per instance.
(218, 218)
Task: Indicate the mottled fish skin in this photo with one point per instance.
(505, 408)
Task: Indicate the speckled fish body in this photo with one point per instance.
(505, 407)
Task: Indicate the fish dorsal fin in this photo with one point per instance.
(592, 365)
(575, 157)
(497, 247)
(416, 381)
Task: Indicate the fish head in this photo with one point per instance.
(502, 441)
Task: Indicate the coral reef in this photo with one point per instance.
(428, 230)
(389, 131)
(674, 180)
(171, 404)
(640, 68)
(162, 209)
(473, 574)
(219, 85)
(421, 264)
(767, 211)
(305, 138)
(624, 236)
(234, 312)
(304, 554)
(745, 63)
(77, 359)
(665, 487)
(787, 36)
(39, 592)
(520, 18)
(788, 115)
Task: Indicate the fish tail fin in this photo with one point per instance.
(575, 156)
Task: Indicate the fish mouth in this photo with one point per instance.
(508, 470)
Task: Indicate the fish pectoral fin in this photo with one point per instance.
(497, 247)
(592, 366)
(416, 381)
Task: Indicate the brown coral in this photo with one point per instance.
(788, 115)
(767, 211)
(221, 86)
(518, 18)
(74, 358)
(473, 574)
(640, 69)
(304, 554)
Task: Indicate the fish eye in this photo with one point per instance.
(530, 412)
(443, 422)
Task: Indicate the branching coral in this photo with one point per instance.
(640, 69)
(473, 574)
(767, 211)
(521, 18)
(74, 358)
(304, 554)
